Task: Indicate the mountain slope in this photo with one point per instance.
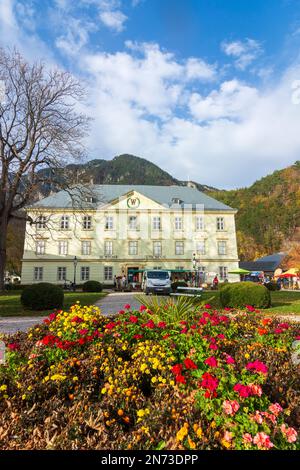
(268, 212)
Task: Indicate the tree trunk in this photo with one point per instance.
(3, 237)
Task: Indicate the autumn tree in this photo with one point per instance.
(41, 130)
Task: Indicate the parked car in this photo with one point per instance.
(156, 282)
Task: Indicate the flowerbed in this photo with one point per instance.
(134, 381)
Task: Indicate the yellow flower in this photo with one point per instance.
(153, 380)
(23, 397)
(58, 377)
(191, 443)
(181, 434)
(247, 356)
(199, 433)
(226, 443)
(3, 388)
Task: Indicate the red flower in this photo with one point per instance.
(110, 325)
(183, 331)
(83, 332)
(250, 308)
(257, 366)
(211, 361)
(244, 391)
(166, 336)
(133, 319)
(142, 308)
(121, 312)
(209, 381)
(162, 324)
(176, 370)
(189, 364)
(207, 306)
(150, 324)
(180, 379)
(137, 336)
(77, 319)
(127, 307)
(213, 346)
(262, 331)
(13, 346)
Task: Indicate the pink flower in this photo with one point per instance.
(263, 441)
(247, 438)
(83, 332)
(255, 390)
(127, 307)
(269, 416)
(230, 360)
(211, 361)
(213, 346)
(257, 366)
(121, 312)
(207, 306)
(142, 308)
(275, 408)
(257, 417)
(230, 407)
(289, 433)
(228, 436)
(244, 391)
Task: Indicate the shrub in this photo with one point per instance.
(272, 286)
(42, 296)
(178, 284)
(92, 286)
(245, 293)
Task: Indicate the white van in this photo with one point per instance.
(156, 281)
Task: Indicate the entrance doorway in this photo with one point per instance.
(132, 275)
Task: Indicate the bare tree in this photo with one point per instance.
(41, 131)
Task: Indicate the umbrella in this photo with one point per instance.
(239, 271)
(287, 275)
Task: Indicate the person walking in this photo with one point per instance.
(215, 282)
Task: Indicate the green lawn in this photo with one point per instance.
(283, 303)
(10, 303)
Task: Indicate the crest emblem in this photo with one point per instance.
(133, 202)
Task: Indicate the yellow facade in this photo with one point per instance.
(161, 236)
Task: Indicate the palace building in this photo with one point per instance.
(124, 229)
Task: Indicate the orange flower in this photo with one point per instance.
(262, 331)
(266, 321)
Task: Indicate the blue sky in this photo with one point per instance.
(207, 89)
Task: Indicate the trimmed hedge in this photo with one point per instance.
(42, 296)
(92, 286)
(240, 294)
(178, 284)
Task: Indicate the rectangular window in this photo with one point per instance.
(38, 274)
(199, 223)
(179, 268)
(109, 222)
(40, 247)
(133, 247)
(179, 248)
(156, 223)
(133, 222)
(223, 272)
(108, 248)
(61, 274)
(108, 273)
(64, 222)
(220, 223)
(63, 247)
(222, 247)
(201, 269)
(178, 223)
(201, 247)
(157, 249)
(86, 247)
(87, 222)
(41, 222)
(84, 273)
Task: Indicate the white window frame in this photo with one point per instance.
(201, 247)
(63, 247)
(85, 273)
(86, 247)
(108, 247)
(109, 222)
(40, 247)
(157, 248)
(156, 222)
(135, 225)
(64, 222)
(179, 247)
(199, 223)
(220, 224)
(178, 223)
(87, 222)
(222, 247)
(38, 273)
(223, 272)
(41, 222)
(61, 273)
(108, 273)
(133, 247)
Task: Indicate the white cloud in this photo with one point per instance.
(198, 69)
(244, 52)
(113, 19)
(75, 37)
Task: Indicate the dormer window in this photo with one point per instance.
(176, 200)
(90, 199)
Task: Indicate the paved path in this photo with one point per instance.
(115, 301)
(9, 325)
